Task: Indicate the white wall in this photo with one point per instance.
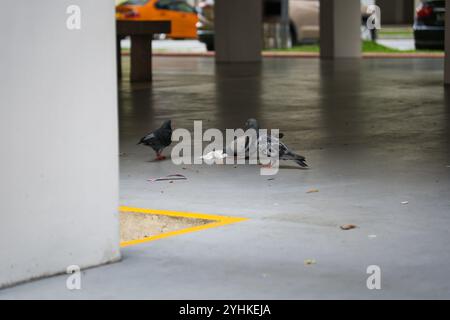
(58, 138)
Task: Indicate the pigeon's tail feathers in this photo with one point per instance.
(302, 163)
(143, 140)
(300, 160)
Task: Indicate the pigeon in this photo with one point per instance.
(242, 145)
(159, 139)
(267, 145)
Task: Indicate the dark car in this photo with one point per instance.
(429, 25)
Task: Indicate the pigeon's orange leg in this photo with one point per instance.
(267, 166)
(159, 157)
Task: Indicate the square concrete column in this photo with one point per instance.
(59, 167)
(447, 43)
(238, 30)
(340, 29)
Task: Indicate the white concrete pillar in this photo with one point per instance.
(59, 138)
(340, 29)
(238, 30)
(447, 43)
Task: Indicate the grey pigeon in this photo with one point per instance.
(159, 139)
(241, 145)
(268, 145)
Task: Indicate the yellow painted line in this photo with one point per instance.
(216, 221)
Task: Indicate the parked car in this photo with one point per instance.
(429, 25)
(182, 15)
(303, 15)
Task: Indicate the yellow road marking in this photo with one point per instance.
(216, 221)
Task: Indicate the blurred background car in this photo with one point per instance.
(183, 16)
(303, 26)
(429, 25)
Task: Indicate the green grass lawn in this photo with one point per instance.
(367, 47)
(396, 33)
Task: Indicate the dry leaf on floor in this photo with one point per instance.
(348, 226)
(312, 191)
(309, 262)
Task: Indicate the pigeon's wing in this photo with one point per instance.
(152, 140)
(269, 146)
(287, 154)
(272, 147)
(164, 136)
(148, 137)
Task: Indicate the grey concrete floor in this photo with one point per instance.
(375, 133)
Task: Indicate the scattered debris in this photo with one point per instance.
(405, 202)
(312, 191)
(309, 262)
(270, 179)
(214, 155)
(348, 227)
(170, 177)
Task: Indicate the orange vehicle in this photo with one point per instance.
(182, 15)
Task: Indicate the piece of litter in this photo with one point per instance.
(405, 202)
(171, 177)
(270, 179)
(348, 227)
(372, 236)
(309, 262)
(312, 191)
(214, 155)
